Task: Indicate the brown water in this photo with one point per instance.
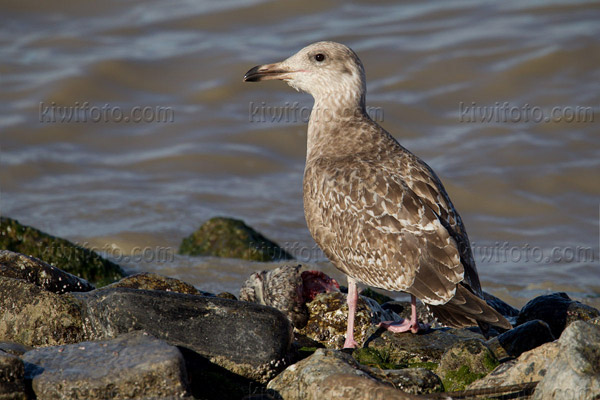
(528, 190)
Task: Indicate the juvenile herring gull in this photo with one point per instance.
(379, 213)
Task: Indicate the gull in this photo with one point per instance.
(379, 213)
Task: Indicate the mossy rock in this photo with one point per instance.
(375, 358)
(464, 363)
(61, 253)
(231, 238)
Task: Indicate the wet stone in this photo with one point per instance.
(557, 310)
(135, 365)
(30, 269)
(523, 338)
(248, 339)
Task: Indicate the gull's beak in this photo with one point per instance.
(267, 72)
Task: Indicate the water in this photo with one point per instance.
(466, 85)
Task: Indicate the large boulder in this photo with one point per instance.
(575, 372)
(68, 256)
(331, 374)
(557, 310)
(33, 316)
(248, 339)
(131, 366)
(231, 238)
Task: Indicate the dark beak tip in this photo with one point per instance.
(252, 75)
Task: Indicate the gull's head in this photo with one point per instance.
(323, 69)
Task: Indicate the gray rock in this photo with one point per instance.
(58, 252)
(575, 373)
(523, 338)
(531, 366)
(33, 316)
(557, 310)
(465, 362)
(330, 374)
(16, 349)
(30, 269)
(245, 338)
(12, 377)
(131, 366)
(232, 238)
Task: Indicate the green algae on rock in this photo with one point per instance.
(465, 362)
(61, 253)
(231, 238)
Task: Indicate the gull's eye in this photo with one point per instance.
(319, 57)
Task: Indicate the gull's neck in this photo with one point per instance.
(335, 125)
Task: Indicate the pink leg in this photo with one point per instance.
(352, 300)
(412, 325)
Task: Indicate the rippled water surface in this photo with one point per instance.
(500, 98)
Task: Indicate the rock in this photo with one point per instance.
(58, 252)
(465, 362)
(287, 288)
(523, 338)
(30, 269)
(330, 374)
(16, 349)
(410, 380)
(531, 366)
(33, 316)
(223, 295)
(135, 365)
(328, 316)
(209, 381)
(12, 377)
(151, 281)
(421, 350)
(248, 339)
(575, 372)
(231, 238)
(557, 310)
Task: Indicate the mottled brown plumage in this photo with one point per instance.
(380, 214)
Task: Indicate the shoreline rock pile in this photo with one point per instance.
(150, 336)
